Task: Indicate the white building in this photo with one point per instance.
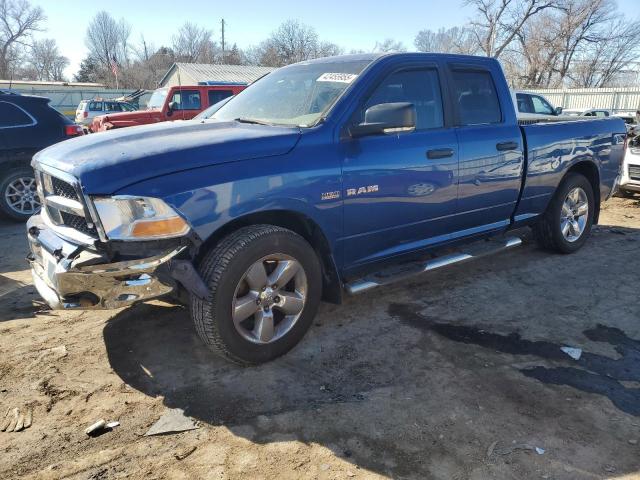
(202, 73)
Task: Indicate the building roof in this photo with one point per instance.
(40, 83)
(204, 72)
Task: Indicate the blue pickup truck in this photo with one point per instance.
(325, 177)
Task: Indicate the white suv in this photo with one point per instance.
(630, 182)
(88, 109)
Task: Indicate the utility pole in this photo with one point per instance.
(222, 40)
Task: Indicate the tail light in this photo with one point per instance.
(73, 130)
(86, 114)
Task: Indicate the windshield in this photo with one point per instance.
(298, 95)
(157, 98)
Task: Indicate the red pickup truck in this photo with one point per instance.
(169, 103)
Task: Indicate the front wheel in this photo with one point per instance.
(265, 284)
(567, 223)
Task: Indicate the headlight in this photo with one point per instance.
(138, 218)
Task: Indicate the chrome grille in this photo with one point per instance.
(63, 189)
(634, 172)
(64, 205)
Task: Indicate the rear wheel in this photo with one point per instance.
(567, 223)
(265, 284)
(18, 195)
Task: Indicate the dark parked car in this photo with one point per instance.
(27, 125)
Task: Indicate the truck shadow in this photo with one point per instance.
(592, 373)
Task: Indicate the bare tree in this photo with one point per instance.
(499, 21)
(604, 61)
(44, 61)
(452, 40)
(194, 44)
(389, 45)
(108, 40)
(18, 21)
(292, 42)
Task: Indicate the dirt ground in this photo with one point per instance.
(455, 375)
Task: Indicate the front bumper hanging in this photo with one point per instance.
(71, 276)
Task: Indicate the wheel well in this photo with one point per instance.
(296, 222)
(591, 173)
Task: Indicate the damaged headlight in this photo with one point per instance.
(138, 218)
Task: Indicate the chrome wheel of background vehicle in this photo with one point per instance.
(21, 196)
(575, 213)
(269, 299)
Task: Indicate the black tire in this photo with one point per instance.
(222, 269)
(548, 232)
(6, 179)
(625, 194)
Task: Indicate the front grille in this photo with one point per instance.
(63, 189)
(78, 223)
(64, 204)
(634, 172)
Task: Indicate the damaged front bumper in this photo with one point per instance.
(72, 276)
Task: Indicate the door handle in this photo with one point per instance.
(439, 153)
(503, 146)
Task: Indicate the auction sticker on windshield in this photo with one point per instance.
(337, 77)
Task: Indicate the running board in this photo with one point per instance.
(394, 274)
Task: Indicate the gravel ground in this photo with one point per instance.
(454, 375)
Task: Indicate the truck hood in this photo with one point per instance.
(109, 161)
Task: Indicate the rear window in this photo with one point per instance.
(95, 106)
(13, 116)
(477, 98)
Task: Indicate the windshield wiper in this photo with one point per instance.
(251, 121)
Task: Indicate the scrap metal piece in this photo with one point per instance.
(172, 421)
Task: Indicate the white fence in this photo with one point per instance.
(615, 99)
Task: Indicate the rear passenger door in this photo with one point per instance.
(490, 149)
(400, 189)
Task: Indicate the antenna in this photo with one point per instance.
(223, 22)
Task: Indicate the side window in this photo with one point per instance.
(540, 105)
(13, 116)
(186, 100)
(524, 103)
(127, 108)
(601, 113)
(216, 96)
(112, 107)
(95, 106)
(419, 87)
(477, 98)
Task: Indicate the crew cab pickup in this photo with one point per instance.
(168, 103)
(328, 177)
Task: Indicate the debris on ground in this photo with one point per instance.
(172, 421)
(573, 352)
(185, 453)
(100, 427)
(521, 446)
(17, 419)
(95, 428)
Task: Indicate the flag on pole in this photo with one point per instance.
(114, 65)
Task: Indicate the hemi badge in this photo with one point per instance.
(330, 195)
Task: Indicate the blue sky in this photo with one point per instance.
(349, 23)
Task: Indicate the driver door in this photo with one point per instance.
(400, 189)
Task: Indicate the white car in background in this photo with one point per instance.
(532, 106)
(89, 109)
(587, 112)
(630, 182)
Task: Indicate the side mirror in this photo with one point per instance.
(558, 110)
(171, 107)
(386, 118)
